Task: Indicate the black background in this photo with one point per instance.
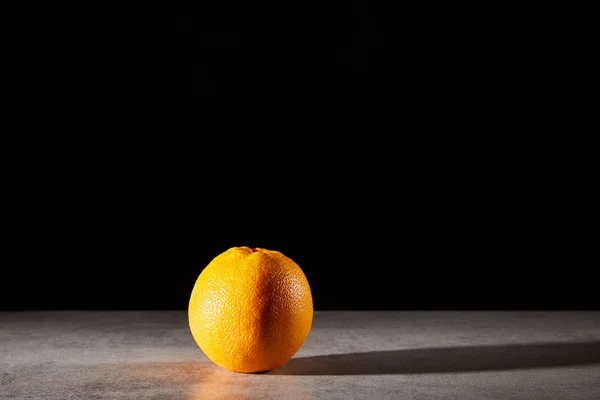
(402, 159)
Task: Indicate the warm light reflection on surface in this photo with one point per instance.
(221, 384)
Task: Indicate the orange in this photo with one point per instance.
(250, 309)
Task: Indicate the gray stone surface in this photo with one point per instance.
(362, 355)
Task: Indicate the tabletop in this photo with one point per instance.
(347, 355)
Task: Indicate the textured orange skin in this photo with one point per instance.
(250, 309)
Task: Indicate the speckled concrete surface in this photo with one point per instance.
(362, 355)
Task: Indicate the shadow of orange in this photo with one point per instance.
(445, 359)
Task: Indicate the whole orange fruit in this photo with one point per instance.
(250, 309)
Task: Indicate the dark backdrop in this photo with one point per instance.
(312, 52)
(426, 232)
(402, 159)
